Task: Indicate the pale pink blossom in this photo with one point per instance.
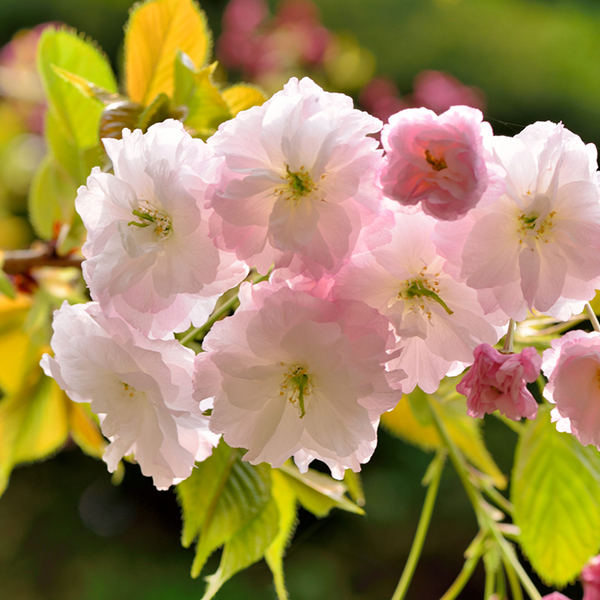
(590, 579)
(499, 381)
(438, 320)
(442, 161)
(149, 256)
(141, 389)
(555, 596)
(299, 179)
(296, 375)
(572, 366)
(537, 246)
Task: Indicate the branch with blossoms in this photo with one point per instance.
(268, 284)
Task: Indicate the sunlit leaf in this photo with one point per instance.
(157, 30)
(355, 487)
(556, 495)
(77, 114)
(16, 355)
(242, 96)
(318, 493)
(222, 496)
(464, 430)
(247, 546)
(87, 88)
(33, 423)
(51, 198)
(285, 498)
(206, 107)
(6, 287)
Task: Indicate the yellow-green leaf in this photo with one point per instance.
(285, 498)
(77, 114)
(318, 493)
(243, 96)
(87, 88)
(556, 495)
(206, 107)
(33, 423)
(157, 30)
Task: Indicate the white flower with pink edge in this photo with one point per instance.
(299, 179)
(149, 256)
(438, 320)
(296, 375)
(537, 246)
(140, 388)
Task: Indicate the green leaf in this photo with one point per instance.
(51, 198)
(206, 107)
(452, 409)
(157, 111)
(420, 407)
(77, 114)
(6, 287)
(318, 493)
(156, 31)
(246, 547)
(285, 498)
(87, 88)
(556, 495)
(222, 496)
(355, 487)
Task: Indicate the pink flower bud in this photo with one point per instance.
(498, 382)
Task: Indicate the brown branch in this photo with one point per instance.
(21, 261)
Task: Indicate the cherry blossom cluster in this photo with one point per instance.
(389, 268)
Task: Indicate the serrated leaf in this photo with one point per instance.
(318, 493)
(464, 430)
(556, 495)
(156, 31)
(33, 423)
(157, 111)
(51, 198)
(242, 97)
(246, 547)
(77, 114)
(206, 107)
(284, 496)
(222, 495)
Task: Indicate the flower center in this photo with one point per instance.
(438, 164)
(149, 216)
(297, 386)
(129, 389)
(532, 226)
(299, 185)
(416, 290)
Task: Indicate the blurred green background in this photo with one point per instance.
(67, 534)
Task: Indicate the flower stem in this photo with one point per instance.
(592, 316)
(463, 577)
(204, 329)
(510, 336)
(485, 520)
(433, 476)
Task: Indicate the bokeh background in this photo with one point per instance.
(68, 533)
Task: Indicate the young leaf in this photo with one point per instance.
(77, 114)
(6, 287)
(157, 30)
(247, 546)
(242, 96)
(33, 423)
(556, 495)
(318, 493)
(87, 88)
(51, 197)
(207, 108)
(285, 498)
(222, 496)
